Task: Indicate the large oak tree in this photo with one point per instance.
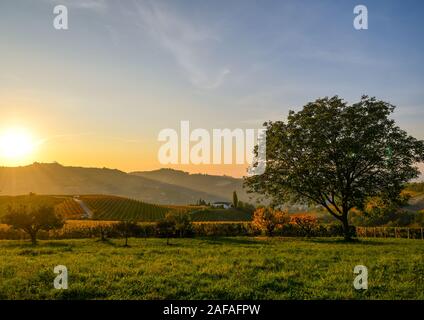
(338, 156)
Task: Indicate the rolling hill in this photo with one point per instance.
(218, 186)
(54, 178)
(416, 203)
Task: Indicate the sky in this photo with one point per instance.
(99, 93)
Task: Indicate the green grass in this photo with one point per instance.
(221, 268)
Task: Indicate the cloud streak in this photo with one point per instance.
(188, 43)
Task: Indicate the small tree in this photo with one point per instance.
(235, 200)
(267, 219)
(183, 225)
(201, 202)
(126, 229)
(306, 223)
(102, 231)
(174, 224)
(32, 220)
(165, 228)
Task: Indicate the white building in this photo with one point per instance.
(221, 204)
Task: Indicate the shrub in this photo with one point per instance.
(267, 219)
(308, 224)
(127, 229)
(175, 224)
(224, 229)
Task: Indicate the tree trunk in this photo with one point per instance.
(346, 231)
(33, 236)
(126, 240)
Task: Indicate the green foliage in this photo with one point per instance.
(175, 224)
(395, 218)
(235, 200)
(379, 212)
(182, 222)
(126, 229)
(335, 155)
(246, 207)
(415, 187)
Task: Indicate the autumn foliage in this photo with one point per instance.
(307, 223)
(268, 219)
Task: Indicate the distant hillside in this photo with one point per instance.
(57, 179)
(416, 203)
(219, 186)
(416, 190)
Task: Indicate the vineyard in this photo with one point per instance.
(69, 209)
(115, 208)
(118, 208)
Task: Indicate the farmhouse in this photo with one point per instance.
(225, 205)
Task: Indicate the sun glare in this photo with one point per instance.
(15, 144)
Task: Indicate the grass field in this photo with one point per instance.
(221, 268)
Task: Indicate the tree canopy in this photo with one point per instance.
(32, 220)
(338, 156)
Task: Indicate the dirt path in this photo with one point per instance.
(88, 214)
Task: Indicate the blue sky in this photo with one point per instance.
(127, 69)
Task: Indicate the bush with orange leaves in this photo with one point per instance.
(308, 224)
(268, 219)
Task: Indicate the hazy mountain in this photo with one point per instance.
(219, 186)
(57, 179)
(416, 203)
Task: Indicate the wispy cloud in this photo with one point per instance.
(96, 5)
(187, 42)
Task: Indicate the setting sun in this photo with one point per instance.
(16, 144)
